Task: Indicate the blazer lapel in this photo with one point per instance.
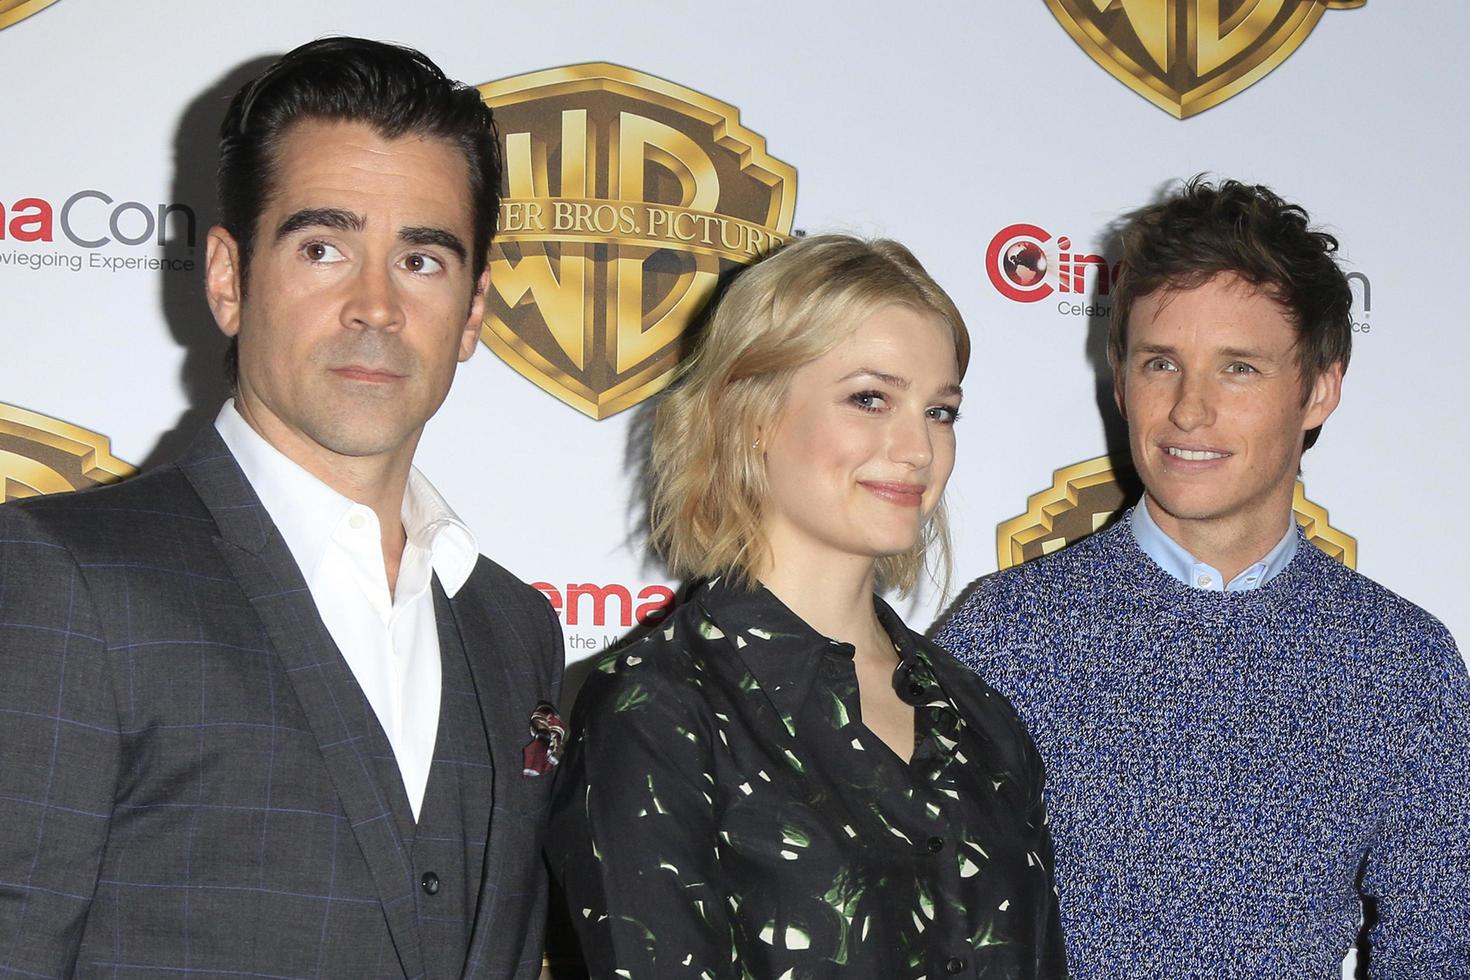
(506, 724)
(334, 705)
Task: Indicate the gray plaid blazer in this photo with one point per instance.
(185, 781)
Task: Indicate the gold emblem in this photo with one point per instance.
(1088, 496)
(1186, 56)
(15, 11)
(626, 198)
(39, 454)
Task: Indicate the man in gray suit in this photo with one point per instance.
(265, 710)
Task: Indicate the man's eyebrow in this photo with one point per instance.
(1243, 353)
(421, 235)
(337, 218)
(1246, 354)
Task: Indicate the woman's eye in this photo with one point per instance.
(422, 264)
(868, 401)
(947, 414)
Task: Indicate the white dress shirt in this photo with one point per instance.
(390, 641)
(1178, 562)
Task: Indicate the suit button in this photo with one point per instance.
(936, 844)
(430, 882)
(916, 689)
(955, 964)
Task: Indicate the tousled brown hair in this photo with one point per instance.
(1205, 230)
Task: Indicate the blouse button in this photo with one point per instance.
(955, 964)
(916, 689)
(936, 844)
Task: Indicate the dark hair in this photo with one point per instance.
(396, 90)
(1207, 229)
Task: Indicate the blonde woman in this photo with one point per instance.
(784, 780)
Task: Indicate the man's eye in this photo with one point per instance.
(422, 264)
(1159, 364)
(321, 252)
(1240, 367)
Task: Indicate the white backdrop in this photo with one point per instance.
(938, 125)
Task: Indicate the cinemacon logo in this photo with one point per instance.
(1026, 265)
(608, 605)
(94, 219)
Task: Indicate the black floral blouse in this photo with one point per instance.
(723, 812)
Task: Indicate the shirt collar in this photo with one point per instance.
(306, 511)
(430, 522)
(1169, 555)
(778, 647)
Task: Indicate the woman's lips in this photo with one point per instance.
(903, 494)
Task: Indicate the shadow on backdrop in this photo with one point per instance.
(1115, 429)
(196, 154)
(638, 472)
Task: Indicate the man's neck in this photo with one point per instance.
(378, 482)
(1229, 546)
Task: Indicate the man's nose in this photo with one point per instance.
(374, 301)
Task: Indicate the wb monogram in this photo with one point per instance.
(626, 197)
(1186, 56)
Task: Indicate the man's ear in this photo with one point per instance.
(1322, 400)
(222, 279)
(470, 339)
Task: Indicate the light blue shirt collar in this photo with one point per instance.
(1172, 558)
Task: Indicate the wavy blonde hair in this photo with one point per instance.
(786, 310)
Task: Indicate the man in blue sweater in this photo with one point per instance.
(1250, 747)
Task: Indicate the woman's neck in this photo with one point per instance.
(833, 596)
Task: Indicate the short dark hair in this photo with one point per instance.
(394, 89)
(1204, 230)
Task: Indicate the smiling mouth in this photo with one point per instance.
(1194, 455)
(904, 494)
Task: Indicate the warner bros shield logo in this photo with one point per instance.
(40, 455)
(15, 11)
(1088, 496)
(626, 197)
(1186, 56)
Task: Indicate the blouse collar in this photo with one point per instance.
(778, 647)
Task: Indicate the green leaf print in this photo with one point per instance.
(837, 711)
(634, 697)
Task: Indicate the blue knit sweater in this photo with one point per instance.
(1227, 772)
